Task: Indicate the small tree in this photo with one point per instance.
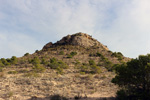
(26, 54)
(4, 61)
(134, 79)
(14, 60)
(1, 64)
(35, 61)
(92, 62)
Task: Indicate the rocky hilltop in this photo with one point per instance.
(76, 67)
(78, 39)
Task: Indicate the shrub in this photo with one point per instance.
(102, 57)
(98, 54)
(12, 72)
(1, 69)
(77, 62)
(95, 54)
(72, 54)
(57, 65)
(92, 62)
(26, 54)
(95, 69)
(10, 94)
(62, 64)
(69, 56)
(35, 61)
(61, 53)
(134, 79)
(119, 55)
(39, 68)
(99, 64)
(4, 61)
(53, 60)
(44, 62)
(36, 51)
(14, 60)
(82, 73)
(1, 64)
(84, 69)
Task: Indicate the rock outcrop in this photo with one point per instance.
(78, 39)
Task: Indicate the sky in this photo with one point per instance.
(121, 25)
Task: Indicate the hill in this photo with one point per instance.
(76, 66)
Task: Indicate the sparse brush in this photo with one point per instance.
(39, 68)
(57, 65)
(10, 94)
(31, 74)
(72, 54)
(12, 72)
(61, 53)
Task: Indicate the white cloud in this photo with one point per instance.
(122, 25)
(129, 32)
(16, 44)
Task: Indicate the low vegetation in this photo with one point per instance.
(72, 54)
(58, 65)
(90, 68)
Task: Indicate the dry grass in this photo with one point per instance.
(25, 80)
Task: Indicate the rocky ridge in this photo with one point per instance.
(78, 39)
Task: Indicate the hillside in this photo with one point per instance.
(75, 66)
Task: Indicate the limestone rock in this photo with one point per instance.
(78, 39)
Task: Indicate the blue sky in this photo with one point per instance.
(27, 25)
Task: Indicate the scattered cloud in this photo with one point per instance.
(27, 25)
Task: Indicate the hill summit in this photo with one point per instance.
(75, 67)
(78, 39)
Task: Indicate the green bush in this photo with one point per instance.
(4, 61)
(26, 54)
(77, 62)
(61, 53)
(95, 54)
(35, 61)
(39, 68)
(92, 62)
(12, 72)
(1, 69)
(14, 60)
(95, 69)
(72, 54)
(134, 79)
(99, 64)
(119, 55)
(44, 62)
(98, 54)
(53, 60)
(57, 65)
(84, 69)
(1, 64)
(92, 69)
